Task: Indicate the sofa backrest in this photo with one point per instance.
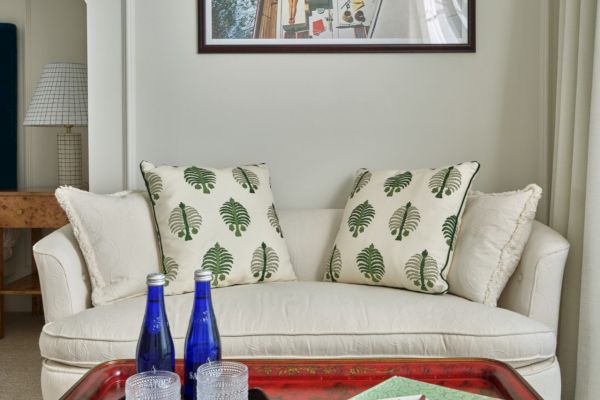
(534, 289)
(309, 235)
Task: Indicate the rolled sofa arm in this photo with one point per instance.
(535, 287)
(63, 275)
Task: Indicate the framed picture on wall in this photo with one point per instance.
(252, 26)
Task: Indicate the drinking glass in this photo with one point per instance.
(222, 380)
(153, 385)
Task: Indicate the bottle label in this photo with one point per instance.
(192, 373)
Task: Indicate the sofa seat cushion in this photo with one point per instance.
(313, 320)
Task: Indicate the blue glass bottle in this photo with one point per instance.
(155, 350)
(202, 343)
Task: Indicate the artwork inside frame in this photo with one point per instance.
(248, 26)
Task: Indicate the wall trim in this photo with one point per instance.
(24, 166)
(106, 101)
(130, 96)
(543, 108)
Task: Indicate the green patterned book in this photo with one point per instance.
(397, 386)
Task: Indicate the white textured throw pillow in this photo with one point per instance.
(116, 236)
(398, 228)
(222, 220)
(494, 231)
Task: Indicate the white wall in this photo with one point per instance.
(317, 118)
(47, 31)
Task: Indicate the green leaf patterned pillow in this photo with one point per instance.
(221, 220)
(399, 228)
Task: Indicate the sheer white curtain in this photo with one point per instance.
(575, 199)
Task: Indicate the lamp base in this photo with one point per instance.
(70, 170)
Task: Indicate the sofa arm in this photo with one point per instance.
(534, 289)
(63, 274)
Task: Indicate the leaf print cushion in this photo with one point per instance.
(221, 220)
(362, 179)
(265, 262)
(360, 218)
(334, 265)
(404, 220)
(218, 261)
(248, 179)
(184, 221)
(235, 216)
(370, 263)
(200, 178)
(422, 270)
(399, 228)
(274, 219)
(445, 182)
(154, 186)
(396, 183)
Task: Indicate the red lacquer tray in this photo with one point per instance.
(333, 379)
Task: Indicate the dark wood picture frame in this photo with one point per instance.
(468, 47)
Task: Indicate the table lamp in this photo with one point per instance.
(60, 99)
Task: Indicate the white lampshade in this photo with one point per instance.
(60, 98)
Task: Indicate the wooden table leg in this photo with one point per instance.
(1, 283)
(36, 300)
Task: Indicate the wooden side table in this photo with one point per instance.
(35, 211)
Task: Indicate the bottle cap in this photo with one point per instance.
(202, 275)
(155, 279)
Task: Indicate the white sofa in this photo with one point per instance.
(310, 318)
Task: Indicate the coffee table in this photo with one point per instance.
(333, 379)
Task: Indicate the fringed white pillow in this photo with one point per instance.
(494, 231)
(116, 235)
